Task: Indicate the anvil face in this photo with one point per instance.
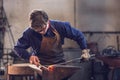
(58, 72)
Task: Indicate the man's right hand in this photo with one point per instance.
(34, 60)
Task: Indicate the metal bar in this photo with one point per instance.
(118, 44)
(101, 32)
(75, 59)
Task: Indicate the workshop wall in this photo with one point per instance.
(86, 15)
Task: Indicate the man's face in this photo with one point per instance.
(42, 30)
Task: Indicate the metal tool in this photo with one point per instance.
(42, 67)
(76, 59)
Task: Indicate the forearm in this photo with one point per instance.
(82, 41)
(75, 35)
(23, 53)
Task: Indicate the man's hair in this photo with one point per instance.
(38, 18)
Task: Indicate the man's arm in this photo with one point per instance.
(21, 47)
(75, 35)
(67, 31)
(79, 37)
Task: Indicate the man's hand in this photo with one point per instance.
(34, 60)
(85, 54)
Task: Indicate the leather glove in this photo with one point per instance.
(85, 54)
(34, 60)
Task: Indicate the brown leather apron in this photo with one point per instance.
(51, 51)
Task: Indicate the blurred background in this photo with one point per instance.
(99, 20)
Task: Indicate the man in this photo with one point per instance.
(46, 38)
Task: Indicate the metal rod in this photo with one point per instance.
(80, 58)
(101, 32)
(118, 43)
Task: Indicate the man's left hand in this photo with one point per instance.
(85, 54)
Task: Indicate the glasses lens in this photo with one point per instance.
(40, 29)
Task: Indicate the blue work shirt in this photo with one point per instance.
(33, 39)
